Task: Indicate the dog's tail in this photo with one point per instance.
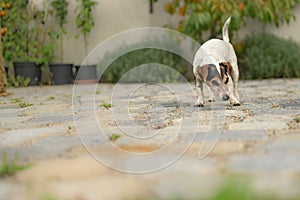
(225, 30)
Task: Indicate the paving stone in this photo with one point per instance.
(235, 135)
(21, 136)
(54, 118)
(273, 161)
(46, 148)
(258, 125)
(282, 146)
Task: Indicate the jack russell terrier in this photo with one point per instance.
(215, 64)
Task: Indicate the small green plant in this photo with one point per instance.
(16, 100)
(105, 105)
(114, 137)
(20, 81)
(51, 98)
(297, 119)
(10, 168)
(24, 105)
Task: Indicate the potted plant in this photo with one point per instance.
(25, 44)
(62, 73)
(85, 23)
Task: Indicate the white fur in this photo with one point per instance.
(215, 51)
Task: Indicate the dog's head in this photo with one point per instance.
(216, 79)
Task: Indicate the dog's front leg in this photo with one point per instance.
(232, 98)
(235, 77)
(211, 95)
(200, 95)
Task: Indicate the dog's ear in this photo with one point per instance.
(227, 67)
(226, 71)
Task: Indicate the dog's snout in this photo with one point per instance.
(225, 97)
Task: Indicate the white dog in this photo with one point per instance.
(215, 64)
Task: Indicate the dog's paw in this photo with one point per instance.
(211, 100)
(234, 102)
(198, 105)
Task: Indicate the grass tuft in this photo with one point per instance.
(114, 137)
(24, 105)
(10, 168)
(105, 105)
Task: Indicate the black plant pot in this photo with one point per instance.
(28, 70)
(86, 74)
(61, 73)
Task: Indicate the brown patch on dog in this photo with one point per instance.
(202, 72)
(207, 72)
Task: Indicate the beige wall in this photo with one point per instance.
(111, 17)
(115, 16)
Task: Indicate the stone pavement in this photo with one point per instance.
(178, 150)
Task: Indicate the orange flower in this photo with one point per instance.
(8, 5)
(182, 10)
(3, 31)
(169, 8)
(241, 6)
(2, 13)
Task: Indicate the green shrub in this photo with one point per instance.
(268, 56)
(139, 55)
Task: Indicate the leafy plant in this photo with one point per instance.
(20, 81)
(61, 11)
(198, 16)
(10, 168)
(3, 30)
(114, 137)
(105, 105)
(84, 20)
(268, 56)
(28, 36)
